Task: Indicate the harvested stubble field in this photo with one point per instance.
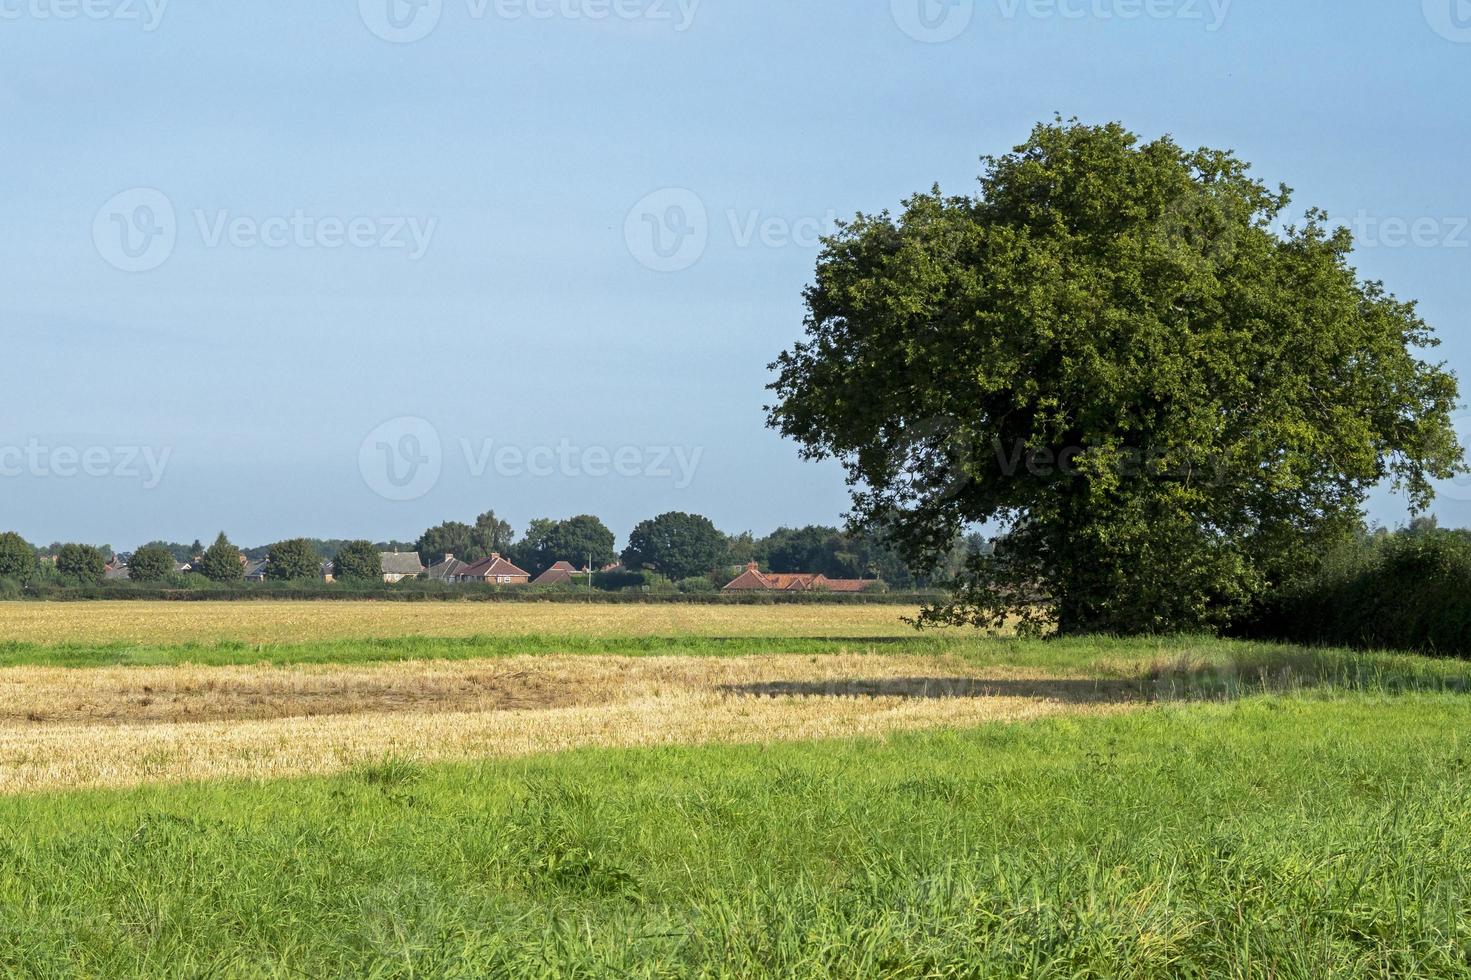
(695, 791)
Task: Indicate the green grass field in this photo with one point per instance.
(1264, 811)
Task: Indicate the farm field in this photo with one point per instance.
(254, 790)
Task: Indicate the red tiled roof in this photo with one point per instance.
(755, 580)
(493, 567)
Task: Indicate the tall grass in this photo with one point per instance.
(1279, 836)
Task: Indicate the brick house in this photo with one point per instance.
(755, 580)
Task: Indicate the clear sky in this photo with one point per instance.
(349, 269)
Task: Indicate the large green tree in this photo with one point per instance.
(221, 561)
(150, 563)
(17, 557)
(81, 563)
(1117, 352)
(295, 560)
(358, 561)
(489, 535)
(676, 545)
(574, 540)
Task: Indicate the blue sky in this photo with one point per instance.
(311, 269)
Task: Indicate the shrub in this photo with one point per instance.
(1407, 591)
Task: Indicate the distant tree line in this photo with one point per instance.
(680, 548)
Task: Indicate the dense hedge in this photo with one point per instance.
(1409, 591)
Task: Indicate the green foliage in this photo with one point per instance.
(1405, 591)
(358, 561)
(676, 545)
(221, 562)
(293, 560)
(1114, 351)
(489, 535)
(17, 557)
(150, 563)
(575, 540)
(81, 563)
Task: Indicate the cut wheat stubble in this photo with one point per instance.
(128, 726)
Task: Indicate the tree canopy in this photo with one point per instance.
(293, 561)
(489, 535)
(574, 540)
(221, 561)
(17, 557)
(150, 563)
(358, 561)
(1118, 354)
(676, 545)
(81, 562)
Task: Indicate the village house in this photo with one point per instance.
(446, 571)
(755, 580)
(559, 574)
(398, 565)
(494, 570)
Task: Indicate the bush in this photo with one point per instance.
(1409, 591)
(697, 586)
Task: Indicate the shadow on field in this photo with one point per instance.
(1071, 691)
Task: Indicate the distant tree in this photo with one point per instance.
(575, 540)
(293, 561)
(196, 551)
(150, 563)
(358, 561)
(491, 535)
(81, 563)
(740, 549)
(17, 557)
(221, 561)
(449, 538)
(1120, 352)
(677, 545)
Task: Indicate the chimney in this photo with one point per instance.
(449, 556)
(753, 567)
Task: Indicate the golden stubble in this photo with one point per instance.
(305, 622)
(122, 727)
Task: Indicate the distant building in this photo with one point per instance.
(447, 570)
(755, 580)
(398, 565)
(116, 572)
(255, 569)
(494, 570)
(559, 574)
